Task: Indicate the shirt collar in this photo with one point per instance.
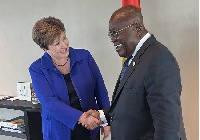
(141, 42)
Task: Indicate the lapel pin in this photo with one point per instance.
(133, 63)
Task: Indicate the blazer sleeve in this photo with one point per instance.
(163, 86)
(54, 106)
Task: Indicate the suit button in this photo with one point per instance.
(111, 119)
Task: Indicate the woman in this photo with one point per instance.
(67, 83)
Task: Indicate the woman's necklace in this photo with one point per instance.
(61, 65)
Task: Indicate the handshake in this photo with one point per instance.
(90, 119)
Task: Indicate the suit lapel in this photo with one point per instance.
(127, 74)
(133, 65)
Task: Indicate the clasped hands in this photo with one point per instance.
(91, 120)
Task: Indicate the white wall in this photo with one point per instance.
(86, 25)
(174, 23)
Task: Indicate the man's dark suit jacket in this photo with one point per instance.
(146, 104)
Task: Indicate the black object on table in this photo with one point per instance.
(32, 119)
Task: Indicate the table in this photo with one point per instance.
(32, 119)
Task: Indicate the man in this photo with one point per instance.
(146, 100)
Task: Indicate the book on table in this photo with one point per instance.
(14, 123)
(17, 130)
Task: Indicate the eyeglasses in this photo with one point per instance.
(116, 33)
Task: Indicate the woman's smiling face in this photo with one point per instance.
(59, 48)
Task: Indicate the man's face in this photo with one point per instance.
(124, 37)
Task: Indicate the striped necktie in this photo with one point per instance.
(125, 66)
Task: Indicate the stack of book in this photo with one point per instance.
(13, 125)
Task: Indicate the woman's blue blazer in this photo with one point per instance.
(58, 117)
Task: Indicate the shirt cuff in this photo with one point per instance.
(103, 118)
